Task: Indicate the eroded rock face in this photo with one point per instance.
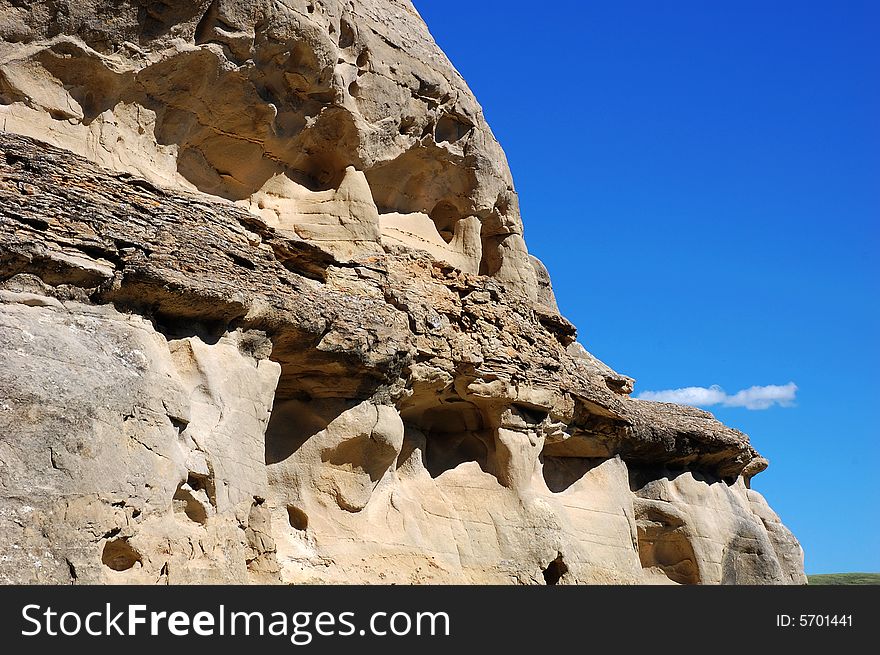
(266, 315)
(318, 116)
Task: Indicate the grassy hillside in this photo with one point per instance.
(845, 578)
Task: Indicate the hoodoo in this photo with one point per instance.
(267, 316)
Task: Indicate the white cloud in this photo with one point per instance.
(751, 398)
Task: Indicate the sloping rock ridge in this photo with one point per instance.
(267, 316)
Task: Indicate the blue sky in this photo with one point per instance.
(702, 180)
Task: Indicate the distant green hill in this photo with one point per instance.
(845, 578)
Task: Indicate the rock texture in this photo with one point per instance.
(267, 315)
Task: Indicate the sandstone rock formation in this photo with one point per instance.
(267, 315)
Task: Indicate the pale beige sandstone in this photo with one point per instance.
(267, 316)
(289, 109)
(139, 442)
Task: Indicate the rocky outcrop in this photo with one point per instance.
(318, 116)
(267, 315)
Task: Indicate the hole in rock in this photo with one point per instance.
(221, 165)
(419, 179)
(206, 23)
(159, 17)
(56, 115)
(664, 545)
(562, 472)
(670, 552)
(413, 441)
(555, 570)
(531, 415)
(454, 434)
(451, 128)
(243, 262)
(445, 451)
(406, 124)
(492, 254)
(428, 89)
(641, 474)
(298, 519)
(201, 482)
(88, 81)
(295, 128)
(119, 555)
(346, 34)
(325, 98)
(194, 495)
(324, 169)
(186, 502)
(315, 387)
(8, 93)
(362, 453)
(173, 329)
(178, 424)
(445, 216)
(294, 421)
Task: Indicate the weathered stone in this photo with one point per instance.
(267, 315)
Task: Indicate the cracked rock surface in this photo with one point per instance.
(267, 316)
